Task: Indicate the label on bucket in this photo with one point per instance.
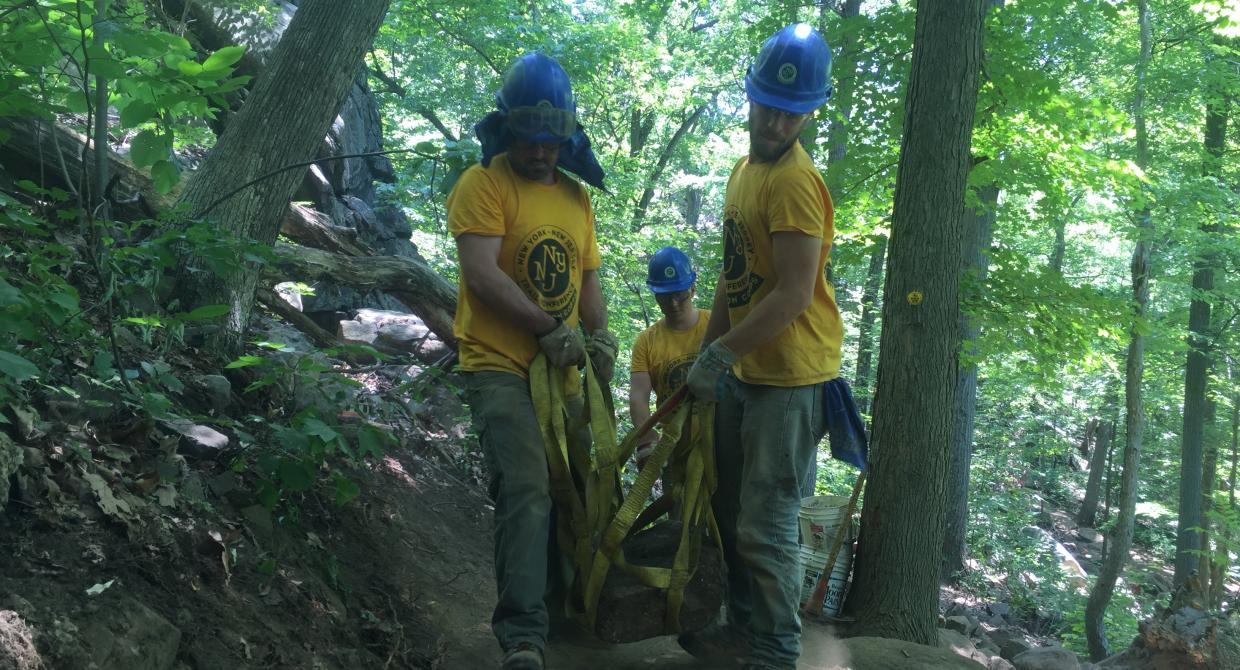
(835, 591)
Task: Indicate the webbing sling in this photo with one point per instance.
(593, 515)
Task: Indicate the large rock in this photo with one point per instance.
(962, 645)
(877, 653)
(1011, 642)
(17, 650)
(124, 634)
(1047, 658)
(628, 610)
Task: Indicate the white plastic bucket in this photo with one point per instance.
(812, 563)
(820, 517)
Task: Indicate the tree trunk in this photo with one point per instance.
(1197, 368)
(869, 317)
(1087, 517)
(846, 85)
(1061, 246)
(284, 121)
(1209, 483)
(1220, 568)
(978, 235)
(900, 555)
(1113, 564)
(665, 157)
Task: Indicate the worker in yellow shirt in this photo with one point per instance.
(664, 352)
(772, 361)
(529, 264)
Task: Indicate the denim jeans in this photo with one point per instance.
(766, 438)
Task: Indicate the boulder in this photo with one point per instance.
(1011, 642)
(356, 332)
(877, 653)
(960, 644)
(997, 663)
(1046, 658)
(628, 610)
(17, 650)
(124, 634)
(1089, 535)
(961, 624)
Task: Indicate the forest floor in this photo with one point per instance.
(105, 567)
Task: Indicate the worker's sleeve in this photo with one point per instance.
(641, 354)
(799, 203)
(474, 206)
(591, 259)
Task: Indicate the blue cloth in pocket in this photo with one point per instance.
(845, 428)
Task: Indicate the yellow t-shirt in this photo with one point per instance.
(766, 198)
(548, 233)
(668, 354)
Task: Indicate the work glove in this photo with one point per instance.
(602, 347)
(706, 375)
(563, 346)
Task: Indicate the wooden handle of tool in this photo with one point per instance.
(666, 408)
(814, 606)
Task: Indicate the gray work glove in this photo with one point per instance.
(602, 347)
(563, 346)
(707, 374)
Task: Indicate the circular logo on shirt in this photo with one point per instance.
(739, 256)
(545, 262)
(676, 372)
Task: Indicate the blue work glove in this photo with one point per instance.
(707, 374)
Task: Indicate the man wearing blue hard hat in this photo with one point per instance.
(529, 281)
(773, 356)
(664, 352)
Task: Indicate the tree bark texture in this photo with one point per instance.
(869, 318)
(896, 587)
(1087, 517)
(311, 70)
(1197, 367)
(978, 235)
(1121, 537)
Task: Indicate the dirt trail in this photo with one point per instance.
(440, 552)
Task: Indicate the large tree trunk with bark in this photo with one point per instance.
(900, 553)
(1197, 368)
(978, 235)
(284, 121)
(1121, 536)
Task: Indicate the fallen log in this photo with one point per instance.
(317, 335)
(50, 155)
(311, 228)
(424, 292)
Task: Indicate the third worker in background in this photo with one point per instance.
(664, 352)
(773, 357)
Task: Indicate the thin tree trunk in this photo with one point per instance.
(665, 157)
(1113, 564)
(1087, 517)
(900, 554)
(869, 318)
(845, 71)
(98, 203)
(284, 121)
(1061, 245)
(1209, 483)
(979, 233)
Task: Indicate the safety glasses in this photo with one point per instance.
(530, 121)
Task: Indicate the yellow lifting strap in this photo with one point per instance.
(594, 516)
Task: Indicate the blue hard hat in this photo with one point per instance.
(792, 72)
(537, 99)
(670, 271)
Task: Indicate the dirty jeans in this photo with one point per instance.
(765, 440)
(516, 459)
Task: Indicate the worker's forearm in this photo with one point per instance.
(593, 307)
(719, 322)
(500, 294)
(766, 320)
